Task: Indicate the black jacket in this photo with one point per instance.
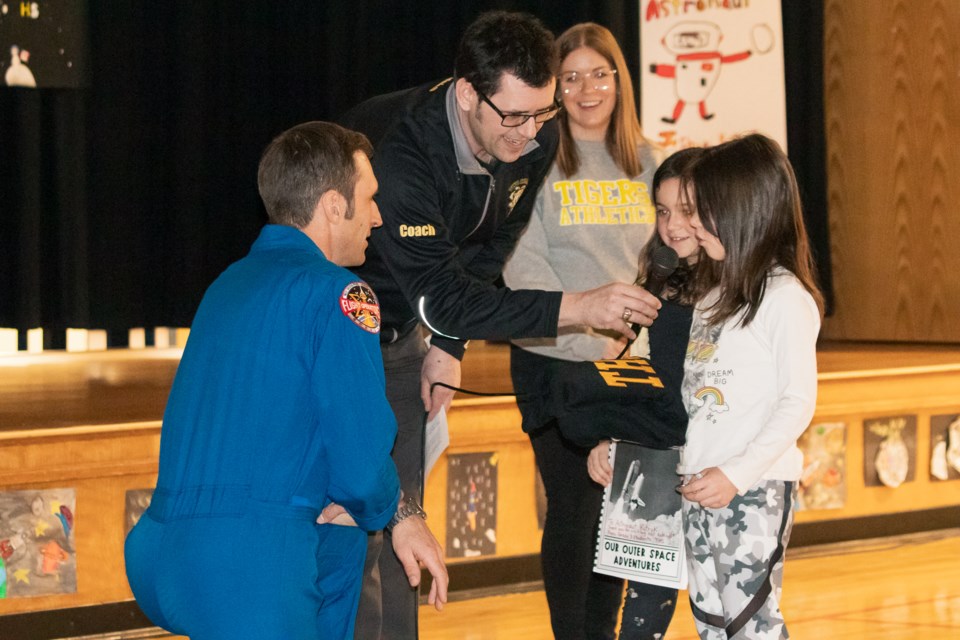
(638, 400)
(449, 223)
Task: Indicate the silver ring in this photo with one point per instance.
(627, 312)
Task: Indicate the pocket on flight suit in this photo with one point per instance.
(340, 555)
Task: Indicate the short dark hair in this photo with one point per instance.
(501, 42)
(303, 163)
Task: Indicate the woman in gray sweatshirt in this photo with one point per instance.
(593, 215)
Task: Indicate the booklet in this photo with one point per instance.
(640, 537)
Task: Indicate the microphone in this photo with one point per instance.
(665, 262)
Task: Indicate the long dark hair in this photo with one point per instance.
(623, 135)
(746, 194)
(679, 286)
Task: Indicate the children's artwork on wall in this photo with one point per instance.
(889, 451)
(471, 505)
(37, 553)
(43, 43)
(137, 502)
(945, 447)
(823, 484)
(710, 71)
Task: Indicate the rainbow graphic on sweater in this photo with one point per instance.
(704, 394)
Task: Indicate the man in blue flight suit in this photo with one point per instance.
(275, 446)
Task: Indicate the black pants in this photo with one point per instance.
(583, 604)
(388, 605)
(647, 611)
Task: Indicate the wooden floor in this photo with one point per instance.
(886, 589)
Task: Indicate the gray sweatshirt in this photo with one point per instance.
(585, 231)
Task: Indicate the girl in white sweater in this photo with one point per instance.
(750, 383)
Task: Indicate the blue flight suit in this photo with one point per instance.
(278, 408)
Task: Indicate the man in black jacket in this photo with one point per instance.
(459, 164)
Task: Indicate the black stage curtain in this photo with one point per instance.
(120, 202)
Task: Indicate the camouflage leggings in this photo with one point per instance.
(735, 562)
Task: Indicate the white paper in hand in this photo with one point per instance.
(437, 440)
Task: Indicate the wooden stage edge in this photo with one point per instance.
(55, 389)
(89, 424)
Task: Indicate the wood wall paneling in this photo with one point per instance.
(892, 94)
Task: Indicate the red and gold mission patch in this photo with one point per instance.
(359, 303)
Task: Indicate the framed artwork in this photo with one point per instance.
(945, 447)
(823, 484)
(37, 553)
(889, 451)
(137, 502)
(471, 504)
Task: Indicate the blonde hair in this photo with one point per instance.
(624, 135)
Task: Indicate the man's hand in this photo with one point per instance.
(438, 366)
(415, 545)
(710, 488)
(607, 307)
(598, 464)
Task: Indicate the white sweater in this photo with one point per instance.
(751, 392)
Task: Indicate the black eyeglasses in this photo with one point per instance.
(517, 119)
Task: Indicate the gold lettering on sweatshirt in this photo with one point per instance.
(616, 202)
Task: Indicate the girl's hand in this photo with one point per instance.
(613, 348)
(710, 488)
(598, 464)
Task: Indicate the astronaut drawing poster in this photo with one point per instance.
(711, 70)
(37, 553)
(640, 536)
(42, 43)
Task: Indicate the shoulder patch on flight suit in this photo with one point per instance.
(359, 303)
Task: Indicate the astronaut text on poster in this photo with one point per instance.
(710, 70)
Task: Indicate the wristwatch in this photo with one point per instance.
(408, 507)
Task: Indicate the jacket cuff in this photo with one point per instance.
(456, 348)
